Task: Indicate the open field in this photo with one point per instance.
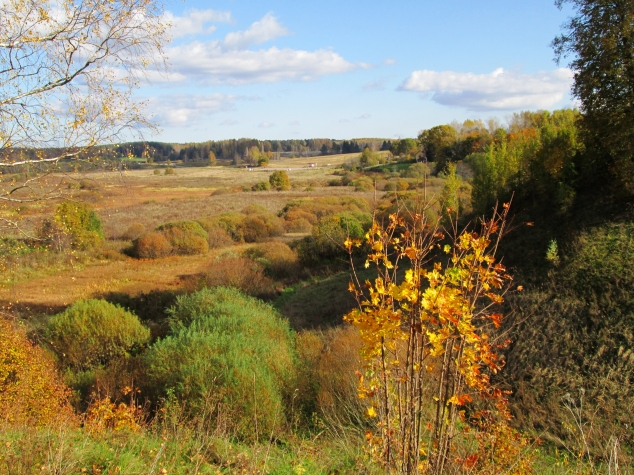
(138, 196)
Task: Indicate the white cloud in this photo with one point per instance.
(229, 122)
(209, 64)
(364, 116)
(499, 90)
(231, 62)
(180, 110)
(389, 62)
(195, 22)
(378, 85)
(266, 125)
(266, 29)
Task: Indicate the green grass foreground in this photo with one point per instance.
(177, 450)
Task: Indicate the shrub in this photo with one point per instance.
(402, 185)
(279, 180)
(261, 186)
(30, 389)
(348, 178)
(157, 171)
(232, 349)
(278, 259)
(313, 209)
(298, 213)
(134, 231)
(232, 223)
(217, 236)
(93, 332)
(79, 222)
(260, 224)
(299, 225)
(416, 170)
(390, 186)
(254, 228)
(329, 235)
(239, 272)
(151, 246)
(186, 237)
(169, 171)
(363, 183)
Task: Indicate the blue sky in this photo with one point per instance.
(344, 69)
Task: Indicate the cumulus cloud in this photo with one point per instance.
(180, 110)
(499, 90)
(389, 62)
(268, 28)
(195, 22)
(230, 61)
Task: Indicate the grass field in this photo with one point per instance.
(138, 196)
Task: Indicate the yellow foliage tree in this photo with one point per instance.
(427, 351)
(30, 389)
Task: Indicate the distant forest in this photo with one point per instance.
(240, 150)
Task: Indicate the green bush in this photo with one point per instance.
(79, 222)
(363, 183)
(169, 171)
(261, 186)
(390, 186)
(279, 180)
(186, 237)
(416, 170)
(329, 234)
(229, 351)
(93, 332)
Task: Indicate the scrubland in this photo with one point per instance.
(199, 327)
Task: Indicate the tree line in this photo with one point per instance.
(240, 150)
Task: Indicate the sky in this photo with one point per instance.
(345, 69)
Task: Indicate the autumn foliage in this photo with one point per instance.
(30, 389)
(428, 356)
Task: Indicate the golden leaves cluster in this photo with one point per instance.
(424, 323)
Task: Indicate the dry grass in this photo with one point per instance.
(52, 293)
